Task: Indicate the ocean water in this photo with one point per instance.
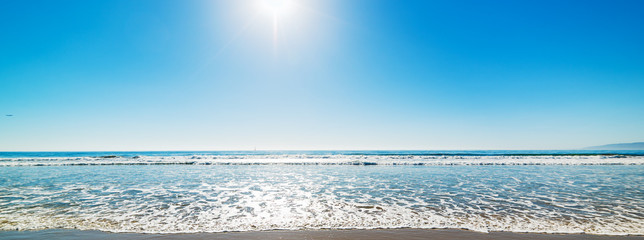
(596, 192)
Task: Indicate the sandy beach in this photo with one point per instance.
(399, 234)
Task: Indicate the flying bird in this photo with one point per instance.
(9, 115)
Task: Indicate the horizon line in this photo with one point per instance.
(312, 150)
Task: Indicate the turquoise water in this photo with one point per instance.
(417, 152)
(197, 192)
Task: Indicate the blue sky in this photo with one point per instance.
(360, 74)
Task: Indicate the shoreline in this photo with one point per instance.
(376, 234)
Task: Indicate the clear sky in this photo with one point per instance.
(351, 74)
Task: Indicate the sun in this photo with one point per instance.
(280, 12)
(277, 8)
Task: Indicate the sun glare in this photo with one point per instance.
(277, 7)
(279, 11)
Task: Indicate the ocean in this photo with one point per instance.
(593, 192)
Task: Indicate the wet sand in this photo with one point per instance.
(397, 234)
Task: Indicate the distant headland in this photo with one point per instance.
(619, 146)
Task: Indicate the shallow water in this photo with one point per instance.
(187, 192)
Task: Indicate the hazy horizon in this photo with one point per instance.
(203, 75)
(588, 148)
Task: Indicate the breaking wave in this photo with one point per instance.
(429, 160)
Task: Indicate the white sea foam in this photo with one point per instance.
(243, 193)
(430, 160)
(287, 207)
